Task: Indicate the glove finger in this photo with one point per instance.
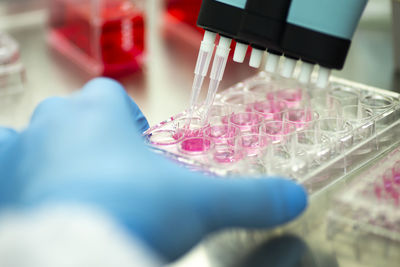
(250, 203)
(51, 107)
(6, 135)
(139, 118)
(111, 94)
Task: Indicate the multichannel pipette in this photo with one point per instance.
(289, 27)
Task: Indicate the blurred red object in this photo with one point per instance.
(104, 37)
(181, 21)
(185, 11)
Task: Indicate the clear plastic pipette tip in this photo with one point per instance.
(240, 52)
(256, 58)
(272, 62)
(323, 77)
(217, 71)
(305, 72)
(288, 67)
(202, 65)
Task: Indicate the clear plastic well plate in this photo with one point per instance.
(269, 125)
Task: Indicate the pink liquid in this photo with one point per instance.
(247, 122)
(292, 97)
(300, 118)
(387, 190)
(222, 133)
(396, 172)
(253, 144)
(388, 185)
(268, 107)
(196, 145)
(225, 119)
(178, 135)
(378, 191)
(277, 130)
(387, 181)
(194, 130)
(396, 197)
(271, 110)
(188, 133)
(299, 115)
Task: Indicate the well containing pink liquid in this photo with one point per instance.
(277, 130)
(301, 118)
(228, 154)
(270, 110)
(253, 144)
(195, 145)
(247, 122)
(292, 97)
(222, 133)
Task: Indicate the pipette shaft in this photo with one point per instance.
(202, 65)
(203, 62)
(217, 71)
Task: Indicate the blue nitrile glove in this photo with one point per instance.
(87, 149)
(6, 135)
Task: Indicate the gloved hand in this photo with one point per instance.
(87, 149)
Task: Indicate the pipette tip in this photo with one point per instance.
(240, 52)
(256, 57)
(305, 72)
(288, 67)
(272, 62)
(323, 77)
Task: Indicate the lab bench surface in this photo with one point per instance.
(303, 243)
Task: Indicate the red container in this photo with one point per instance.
(104, 37)
(181, 21)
